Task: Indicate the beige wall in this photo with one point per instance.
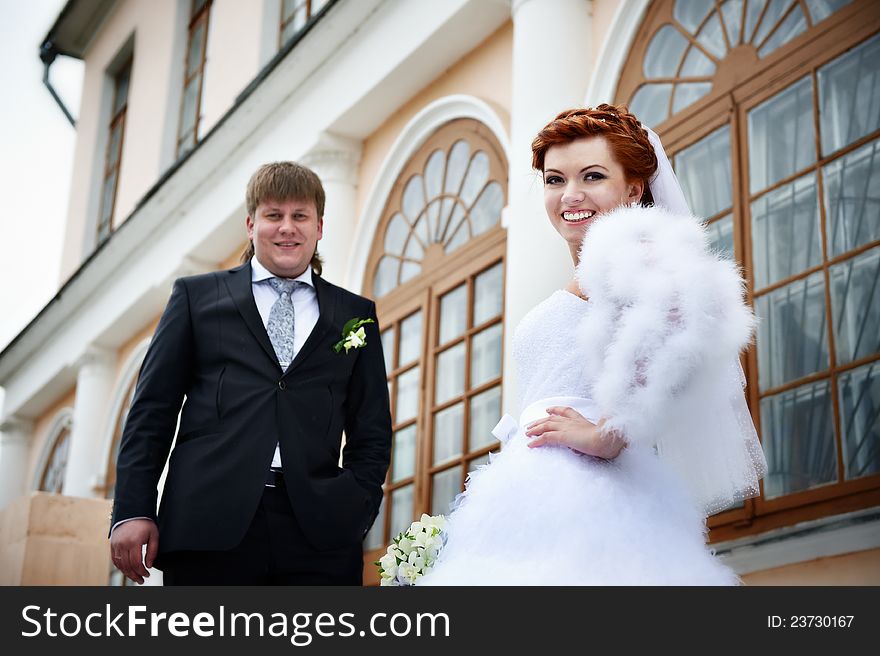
(234, 54)
(859, 568)
(603, 13)
(484, 72)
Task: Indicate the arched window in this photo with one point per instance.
(770, 111)
(437, 272)
(54, 461)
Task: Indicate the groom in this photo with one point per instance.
(255, 493)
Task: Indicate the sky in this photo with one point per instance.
(36, 157)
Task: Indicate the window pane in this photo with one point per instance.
(414, 200)
(852, 199)
(721, 236)
(753, 12)
(450, 374)
(822, 9)
(731, 11)
(485, 413)
(781, 136)
(476, 463)
(488, 294)
(53, 476)
(448, 433)
(190, 106)
(690, 13)
(459, 156)
(855, 299)
(386, 276)
(476, 178)
(408, 271)
(121, 96)
(710, 37)
(696, 64)
(453, 314)
(798, 440)
(859, 392)
(376, 537)
(794, 24)
(434, 170)
(113, 148)
(689, 93)
(792, 335)
(194, 54)
(486, 355)
(444, 486)
(388, 348)
(651, 103)
(849, 96)
(404, 457)
(486, 212)
(396, 233)
(407, 396)
(774, 12)
(401, 509)
(664, 53)
(410, 338)
(786, 237)
(704, 172)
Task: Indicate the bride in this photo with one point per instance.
(633, 423)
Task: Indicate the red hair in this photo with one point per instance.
(627, 138)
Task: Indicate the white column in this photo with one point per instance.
(335, 159)
(551, 70)
(14, 435)
(94, 385)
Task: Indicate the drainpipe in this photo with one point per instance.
(47, 55)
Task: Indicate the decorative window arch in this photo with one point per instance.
(779, 151)
(698, 48)
(436, 268)
(53, 462)
(454, 194)
(119, 411)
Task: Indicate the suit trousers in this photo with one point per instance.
(274, 551)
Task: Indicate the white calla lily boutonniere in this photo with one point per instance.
(353, 335)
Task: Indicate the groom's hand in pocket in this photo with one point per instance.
(565, 426)
(126, 547)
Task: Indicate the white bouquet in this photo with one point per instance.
(413, 552)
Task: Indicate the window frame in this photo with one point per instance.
(736, 90)
(423, 293)
(199, 15)
(104, 229)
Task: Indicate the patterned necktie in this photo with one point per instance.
(281, 318)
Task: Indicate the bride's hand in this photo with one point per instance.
(567, 427)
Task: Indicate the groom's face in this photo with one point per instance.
(285, 235)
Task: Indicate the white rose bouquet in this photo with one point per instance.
(413, 551)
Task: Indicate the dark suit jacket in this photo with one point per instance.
(211, 353)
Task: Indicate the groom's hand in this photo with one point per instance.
(126, 548)
(567, 427)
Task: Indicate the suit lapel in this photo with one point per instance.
(240, 288)
(327, 296)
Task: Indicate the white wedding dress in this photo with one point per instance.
(552, 516)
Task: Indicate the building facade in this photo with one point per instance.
(418, 116)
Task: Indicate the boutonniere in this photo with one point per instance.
(353, 335)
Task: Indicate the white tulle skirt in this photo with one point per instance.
(550, 516)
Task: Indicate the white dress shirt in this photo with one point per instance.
(305, 310)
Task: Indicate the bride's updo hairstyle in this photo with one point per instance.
(627, 138)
